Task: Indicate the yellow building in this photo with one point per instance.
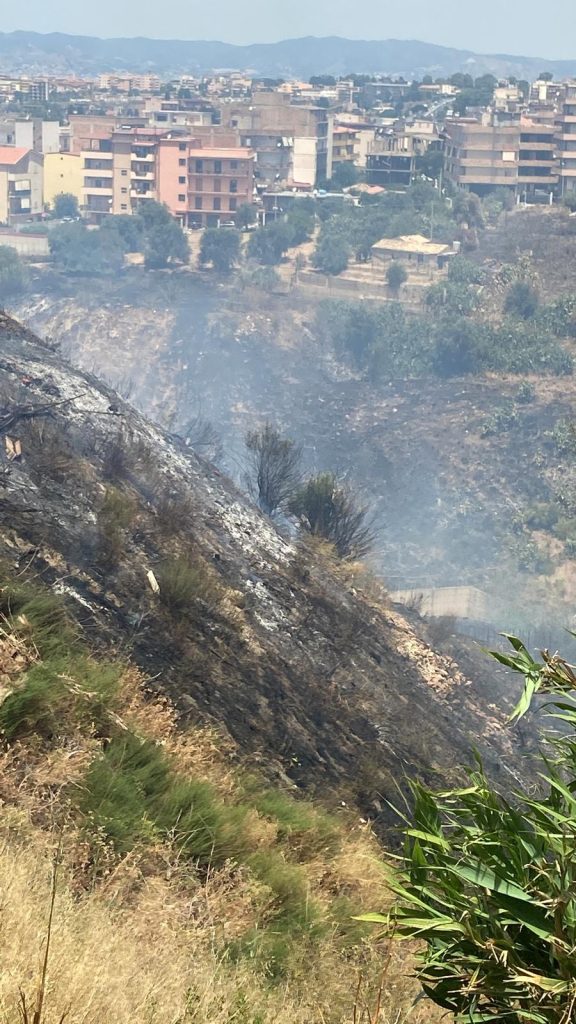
(62, 173)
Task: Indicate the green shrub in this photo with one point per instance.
(306, 829)
(526, 393)
(544, 515)
(499, 422)
(396, 276)
(522, 300)
(487, 880)
(60, 696)
(114, 518)
(131, 795)
(39, 617)
(562, 437)
(329, 509)
(184, 583)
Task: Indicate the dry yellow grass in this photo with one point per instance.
(142, 939)
(156, 957)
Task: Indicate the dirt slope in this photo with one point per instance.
(305, 671)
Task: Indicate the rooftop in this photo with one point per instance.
(13, 154)
(412, 243)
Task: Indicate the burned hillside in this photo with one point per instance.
(162, 561)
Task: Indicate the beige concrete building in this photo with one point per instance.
(566, 141)
(268, 121)
(481, 156)
(20, 184)
(416, 251)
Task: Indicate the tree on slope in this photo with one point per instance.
(328, 508)
(164, 237)
(274, 471)
(221, 248)
(13, 276)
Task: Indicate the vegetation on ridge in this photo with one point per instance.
(187, 888)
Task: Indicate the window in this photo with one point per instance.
(199, 185)
(233, 205)
(233, 185)
(199, 166)
(181, 181)
(198, 203)
(182, 147)
(181, 162)
(217, 185)
(124, 191)
(124, 173)
(123, 206)
(233, 165)
(217, 167)
(181, 199)
(216, 205)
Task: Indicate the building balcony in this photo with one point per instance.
(142, 176)
(538, 179)
(542, 161)
(136, 194)
(99, 172)
(141, 156)
(96, 154)
(92, 190)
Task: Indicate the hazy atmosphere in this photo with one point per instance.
(287, 512)
(517, 26)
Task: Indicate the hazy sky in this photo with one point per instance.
(525, 27)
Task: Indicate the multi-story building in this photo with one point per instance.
(482, 155)
(33, 133)
(346, 144)
(268, 121)
(391, 157)
(201, 185)
(63, 172)
(35, 90)
(537, 164)
(20, 184)
(566, 140)
(129, 83)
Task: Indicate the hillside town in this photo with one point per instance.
(208, 147)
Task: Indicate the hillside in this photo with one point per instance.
(62, 53)
(282, 650)
(461, 472)
(174, 673)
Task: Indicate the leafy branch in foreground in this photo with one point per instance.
(488, 884)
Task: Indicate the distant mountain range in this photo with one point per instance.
(66, 54)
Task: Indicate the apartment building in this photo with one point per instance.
(20, 184)
(346, 144)
(537, 163)
(33, 89)
(32, 133)
(129, 83)
(63, 172)
(268, 121)
(566, 140)
(391, 159)
(203, 186)
(482, 155)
